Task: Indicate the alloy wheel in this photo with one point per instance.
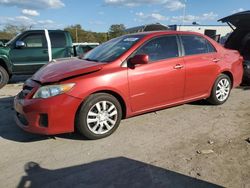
(102, 117)
(223, 89)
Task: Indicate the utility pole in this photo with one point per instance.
(76, 35)
(184, 12)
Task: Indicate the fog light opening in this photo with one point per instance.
(43, 122)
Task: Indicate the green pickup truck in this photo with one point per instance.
(30, 50)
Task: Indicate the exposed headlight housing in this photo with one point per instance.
(246, 66)
(45, 92)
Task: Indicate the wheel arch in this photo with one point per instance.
(4, 65)
(226, 72)
(230, 75)
(113, 93)
(118, 97)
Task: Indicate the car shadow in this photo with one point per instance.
(206, 103)
(19, 79)
(118, 172)
(10, 131)
(244, 87)
(200, 103)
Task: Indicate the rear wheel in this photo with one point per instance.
(4, 77)
(221, 90)
(99, 116)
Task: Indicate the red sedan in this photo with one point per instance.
(124, 77)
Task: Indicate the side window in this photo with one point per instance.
(34, 41)
(160, 48)
(57, 39)
(196, 45)
(210, 47)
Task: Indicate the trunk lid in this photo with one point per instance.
(65, 68)
(239, 20)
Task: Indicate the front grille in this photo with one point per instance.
(29, 88)
(21, 95)
(26, 90)
(22, 119)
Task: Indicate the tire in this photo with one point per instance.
(4, 77)
(94, 120)
(221, 90)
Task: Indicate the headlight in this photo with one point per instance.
(52, 90)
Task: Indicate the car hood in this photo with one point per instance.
(61, 69)
(239, 20)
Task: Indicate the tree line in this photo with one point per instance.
(77, 32)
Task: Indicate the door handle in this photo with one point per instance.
(216, 60)
(178, 66)
(45, 51)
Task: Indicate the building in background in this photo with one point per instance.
(214, 31)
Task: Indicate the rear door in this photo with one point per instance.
(161, 81)
(34, 55)
(201, 60)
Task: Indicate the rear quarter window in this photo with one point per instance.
(196, 45)
(210, 47)
(58, 40)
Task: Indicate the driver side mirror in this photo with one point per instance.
(20, 44)
(139, 59)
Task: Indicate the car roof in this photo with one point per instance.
(167, 32)
(39, 30)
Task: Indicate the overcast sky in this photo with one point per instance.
(98, 15)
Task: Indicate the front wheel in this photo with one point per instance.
(99, 116)
(4, 77)
(221, 90)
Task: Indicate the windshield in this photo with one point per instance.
(111, 50)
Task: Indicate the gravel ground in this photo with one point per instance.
(192, 145)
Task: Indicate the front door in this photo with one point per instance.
(30, 58)
(161, 81)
